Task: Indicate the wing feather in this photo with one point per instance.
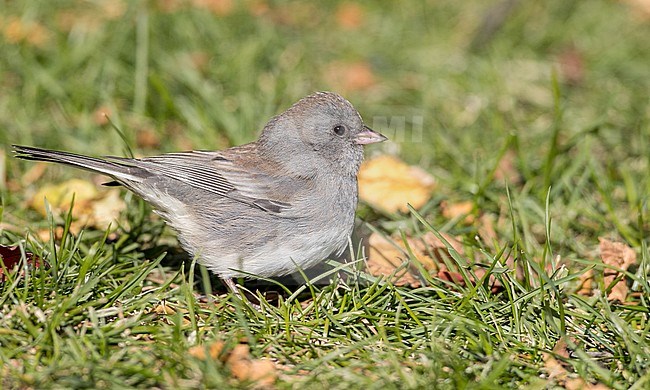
(216, 173)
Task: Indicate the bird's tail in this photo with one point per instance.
(121, 171)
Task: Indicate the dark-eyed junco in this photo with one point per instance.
(267, 208)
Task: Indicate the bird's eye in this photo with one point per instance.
(340, 130)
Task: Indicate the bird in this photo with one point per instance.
(268, 208)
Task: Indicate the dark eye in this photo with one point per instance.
(340, 130)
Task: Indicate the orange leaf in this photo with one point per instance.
(388, 183)
(217, 7)
(213, 349)
(349, 16)
(585, 287)
(91, 208)
(617, 255)
(571, 65)
(507, 170)
(162, 308)
(640, 8)
(457, 210)
(350, 76)
(486, 229)
(262, 372)
(386, 256)
(32, 33)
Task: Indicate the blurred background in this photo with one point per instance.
(536, 93)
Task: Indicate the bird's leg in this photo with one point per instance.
(232, 286)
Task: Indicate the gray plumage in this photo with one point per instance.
(262, 209)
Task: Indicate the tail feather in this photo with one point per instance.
(121, 171)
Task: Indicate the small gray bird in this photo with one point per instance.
(267, 208)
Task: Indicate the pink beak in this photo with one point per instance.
(369, 136)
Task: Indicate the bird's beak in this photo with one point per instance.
(368, 136)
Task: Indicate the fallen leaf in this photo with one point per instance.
(486, 229)
(384, 259)
(585, 286)
(386, 256)
(258, 7)
(557, 371)
(458, 210)
(163, 309)
(238, 361)
(213, 350)
(295, 14)
(60, 196)
(169, 6)
(619, 255)
(147, 138)
(387, 183)
(31, 33)
(260, 371)
(349, 16)
(640, 9)
(507, 169)
(552, 365)
(571, 65)
(10, 257)
(217, 7)
(101, 115)
(263, 373)
(349, 76)
(91, 208)
(113, 9)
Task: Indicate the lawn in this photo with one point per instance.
(533, 118)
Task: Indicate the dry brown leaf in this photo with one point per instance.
(571, 65)
(60, 196)
(387, 183)
(385, 256)
(214, 350)
(10, 257)
(349, 16)
(169, 6)
(457, 210)
(91, 208)
(486, 229)
(619, 255)
(507, 170)
(585, 287)
(297, 14)
(258, 7)
(164, 309)
(350, 76)
(113, 9)
(217, 7)
(147, 138)
(261, 371)
(101, 115)
(31, 33)
(554, 367)
(640, 9)
(586, 283)
(558, 373)
(238, 361)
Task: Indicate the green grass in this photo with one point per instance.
(199, 80)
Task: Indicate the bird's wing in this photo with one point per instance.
(217, 173)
